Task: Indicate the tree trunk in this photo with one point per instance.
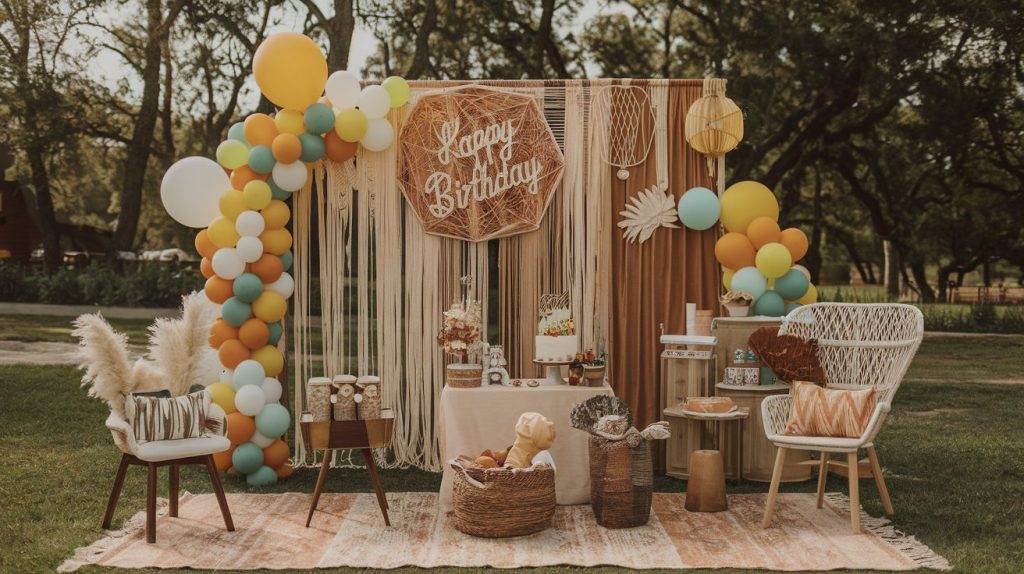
(813, 258)
(944, 294)
(339, 31)
(921, 280)
(891, 274)
(52, 252)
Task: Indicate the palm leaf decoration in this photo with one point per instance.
(645, 213)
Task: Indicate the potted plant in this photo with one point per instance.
(737, 303)
(594, 368)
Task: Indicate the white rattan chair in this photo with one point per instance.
(858, 346)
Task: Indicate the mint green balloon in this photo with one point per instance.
(793, 285)
(264, 476)
(699, 208)
(319, 118)
(232, 154)
(247, 287)
(273, 420)
(235, 311)
(286, 260)
(749, 280)
(247, 458)
(770, 304)
(790, 307)
(313, 147)
(261, 159)
(275, 332)
(276, 192)
(237, 133)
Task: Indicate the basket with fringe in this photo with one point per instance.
(502, 502)
(621, 483)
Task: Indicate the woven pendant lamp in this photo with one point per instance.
(714, 123)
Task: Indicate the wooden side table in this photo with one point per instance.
(705, 431)
(758, 451)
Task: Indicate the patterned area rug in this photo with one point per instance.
(348, 530)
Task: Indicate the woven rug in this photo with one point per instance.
(348, 530)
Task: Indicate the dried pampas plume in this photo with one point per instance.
(103, 353)
(180, 346)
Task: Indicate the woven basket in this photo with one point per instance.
(621, 483)
(463, 375)
(503, 502)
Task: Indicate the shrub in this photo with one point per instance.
(148, 284)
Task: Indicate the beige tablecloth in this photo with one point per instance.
(471, 420)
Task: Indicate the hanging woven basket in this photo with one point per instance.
(714, 123)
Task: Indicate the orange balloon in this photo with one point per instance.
(285, 470)
(276, 214)
(220, 332)
(276, 241)
(231, 353)
(276, 454)
(240, 428)
(244, 175)
(204, 247)
(268, 268)
(796, 241)
(206, 268)
(259, 129)
(762, 231)
(254, 333)
(286, 148)
(218, 290)
(223, 459)
(734, 250)
(338, 149)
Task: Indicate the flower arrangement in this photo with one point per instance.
(556, 323)
(737, 302)
(461, 328)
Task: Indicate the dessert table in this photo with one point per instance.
(471, 420)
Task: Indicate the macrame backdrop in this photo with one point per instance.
(384, 282)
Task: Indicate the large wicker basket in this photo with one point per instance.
(621, 483)
(503, 502)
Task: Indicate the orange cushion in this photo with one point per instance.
(817, 411)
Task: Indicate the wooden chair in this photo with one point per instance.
(172, 453)
(858, 346)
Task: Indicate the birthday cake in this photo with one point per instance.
(556, 340)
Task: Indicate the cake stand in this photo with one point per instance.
(552, 372)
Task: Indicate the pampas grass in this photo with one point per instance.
(180, 346)
(104, 358)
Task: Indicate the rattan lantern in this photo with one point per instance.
(714, 123)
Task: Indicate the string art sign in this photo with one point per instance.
(478, 163)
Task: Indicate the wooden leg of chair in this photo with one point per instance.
(822, 478)
(382, 500)
(320, 480)
(851, 460)
(218, 489)
(883, 491)
(773, 490)
(172, 492)
(151, 504)
(115, 492)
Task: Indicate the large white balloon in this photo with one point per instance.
(272, 388)
(379, 135)
(343, 90)
(250, 399)
(250, 223)
(227, 263)
(374, 101)
(249, 248)
(284, 285)
(191, 190)
(290, 176)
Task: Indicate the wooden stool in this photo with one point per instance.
(705, 490)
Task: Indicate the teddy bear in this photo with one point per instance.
(534, 433)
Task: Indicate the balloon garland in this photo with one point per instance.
(245, 247)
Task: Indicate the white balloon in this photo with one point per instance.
(284, 285)
(290, 176)
(260, 440)
(250, 223)
(191, 190)
(379, 135)
(803, 270)
(272, 388)
(249, 248)
(250, 400)
(227, 263)
(374, 101)
(343, 90)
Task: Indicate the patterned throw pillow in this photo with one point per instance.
(830, 412)
(156, 418)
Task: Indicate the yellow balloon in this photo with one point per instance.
(232, 203)
(398, 89)
(290, 122)
(222, 232)
(223, 395)
(271, 359)
(276, 241)
(351, 124)
(276, 214)
(811, 296)
(290, 70)
(727, 278)
(744, 202)
(773, 260)
(257, 194)
(269, 307)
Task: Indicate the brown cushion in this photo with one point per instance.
(817, 411)
(788, 356)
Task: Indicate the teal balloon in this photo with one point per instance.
(273, 421)
(790, 307)
(313, 147)
(247, 458)
(235, 311)
(286, 260)
(749, 280)
(793, 285)
(276, 330)
(770, 304)
(261, 159)
(277, 192)
(237, 133)
(264, 476)
(248, 372)
(247, 287)
(699, 208)
(319, 118)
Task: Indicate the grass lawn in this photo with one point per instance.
(953, 453)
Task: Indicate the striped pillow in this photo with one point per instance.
(156, 418)
(817, 411)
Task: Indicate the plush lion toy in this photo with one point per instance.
(534, 433)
